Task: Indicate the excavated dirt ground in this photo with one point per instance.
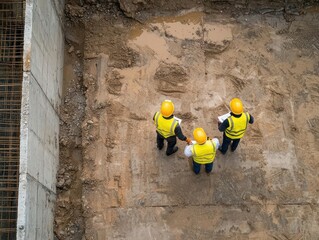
(114, 184)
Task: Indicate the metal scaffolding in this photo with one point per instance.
(11, 73)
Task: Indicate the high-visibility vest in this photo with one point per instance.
(165, 127)
(204, 153)
(237, 126)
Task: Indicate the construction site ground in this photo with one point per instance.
(113, 182)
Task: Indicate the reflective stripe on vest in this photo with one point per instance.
(165, 127)
(237, 126)
(204, 153)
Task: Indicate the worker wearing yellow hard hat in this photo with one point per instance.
(203, 151)
(167, 128)
(234, 127)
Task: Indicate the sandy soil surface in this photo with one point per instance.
(122, 187)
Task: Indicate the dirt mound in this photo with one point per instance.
(171, 79)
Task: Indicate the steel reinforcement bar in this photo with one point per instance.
(11, 73)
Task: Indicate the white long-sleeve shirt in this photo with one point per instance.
(188, 151)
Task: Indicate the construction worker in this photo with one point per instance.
(167, 128)
(203, 151)
(234, 127)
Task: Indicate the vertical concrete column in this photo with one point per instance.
(41, 95)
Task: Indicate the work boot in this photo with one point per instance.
(160, 147)
(232, 149)
(220, 149)
(175, 149)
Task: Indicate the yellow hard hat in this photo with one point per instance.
(236, 106)
(167, 108)
(200, 135)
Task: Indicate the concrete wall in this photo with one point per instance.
(39, 140)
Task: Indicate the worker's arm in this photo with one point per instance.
(188, 151)
(179, 133)
(154, 117)
(222, 127)
(251, 119)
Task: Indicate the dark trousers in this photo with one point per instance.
(208, 167)
(226, 142)
(171, 142)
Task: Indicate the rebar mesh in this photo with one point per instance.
(11, 73)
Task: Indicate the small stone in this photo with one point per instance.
(78, 141)
(60, 183)
(63, 142)
(62, 171)
(71, 49)
(68, 182)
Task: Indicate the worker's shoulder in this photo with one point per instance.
(250, 118)
(227, 120)
(155, 114)
(248, 114)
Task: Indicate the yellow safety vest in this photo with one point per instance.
(237, 126)
(204, 153)
(165, 127)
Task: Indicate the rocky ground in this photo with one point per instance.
(122, 59)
